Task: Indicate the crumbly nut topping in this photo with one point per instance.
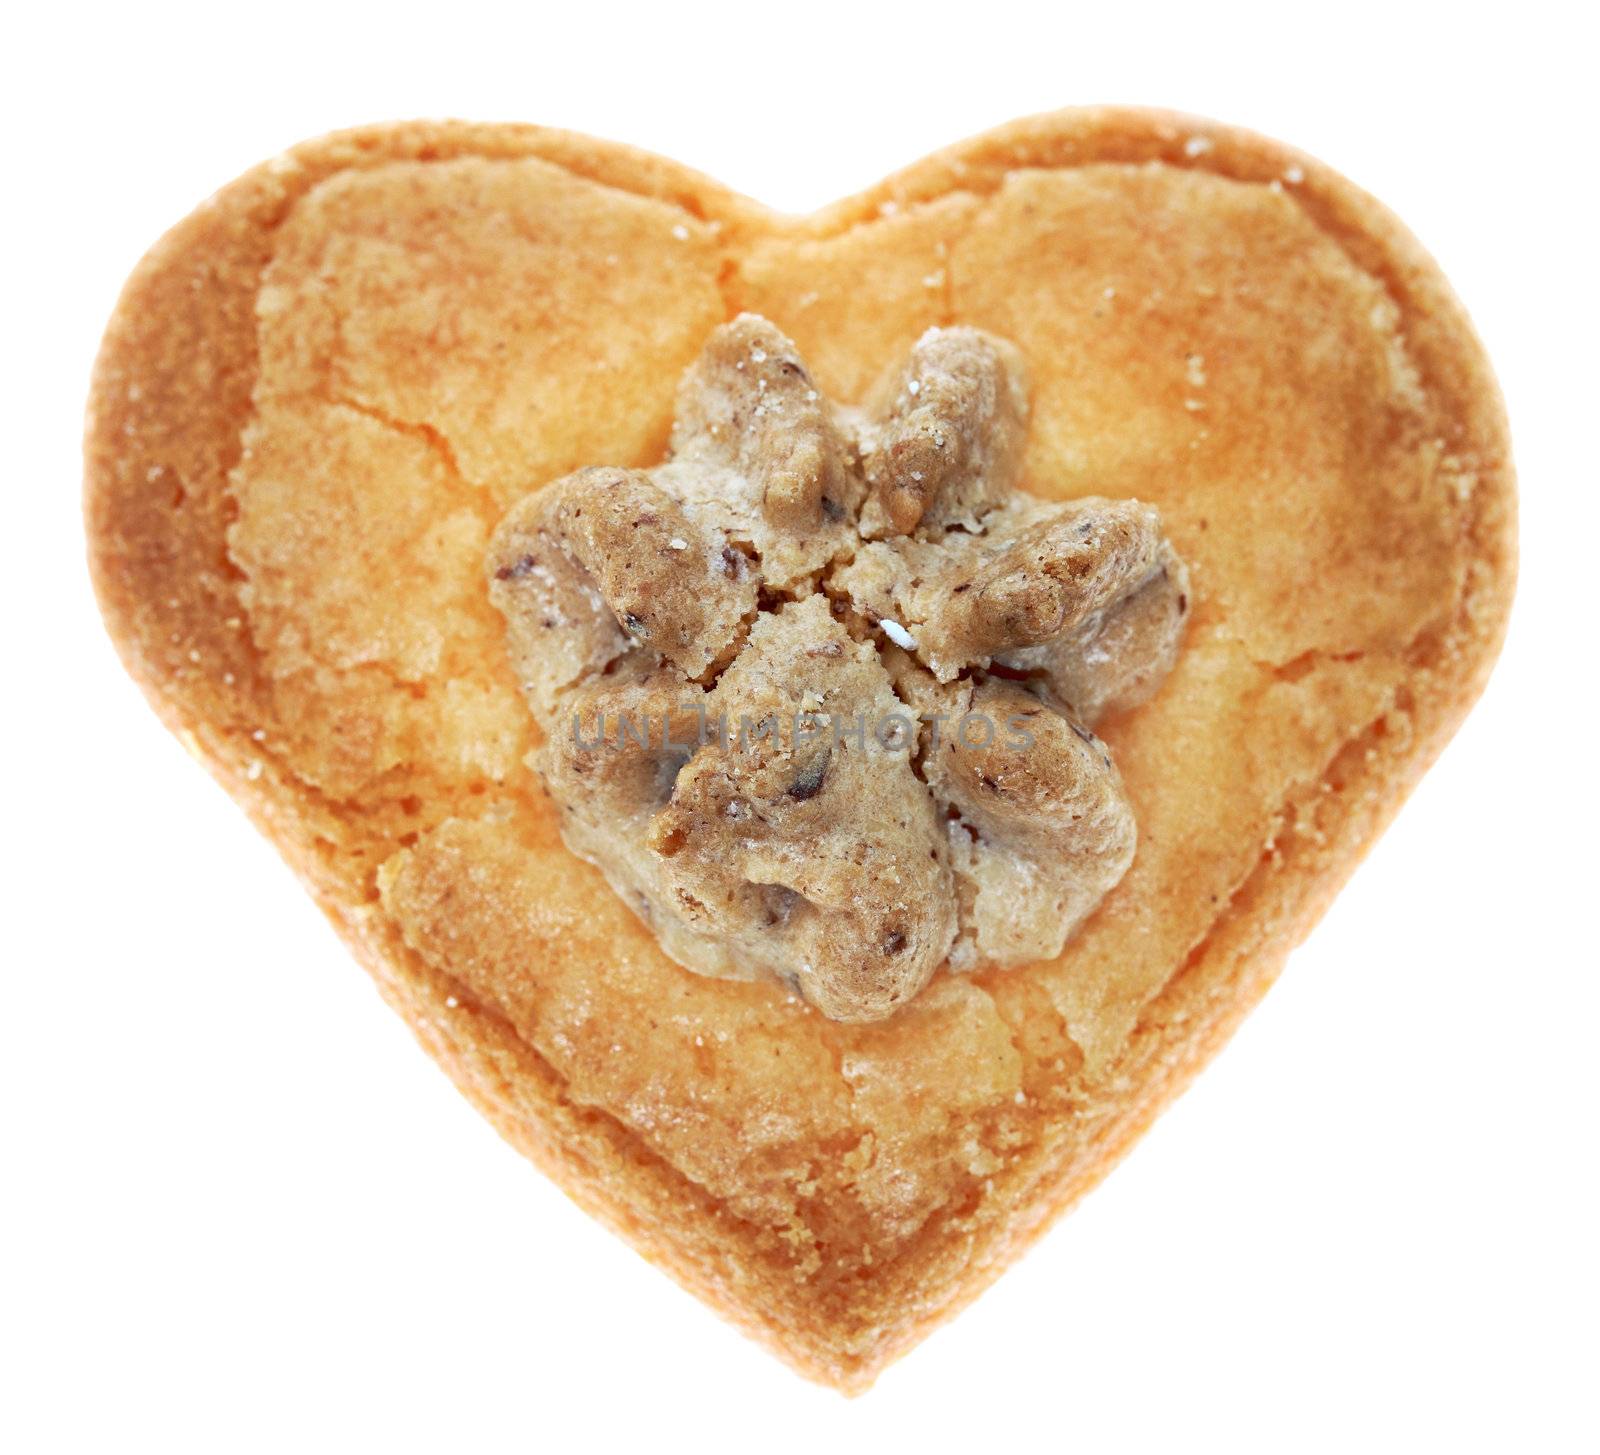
(948, 447)
(819, 691)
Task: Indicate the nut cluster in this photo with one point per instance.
(819, 692)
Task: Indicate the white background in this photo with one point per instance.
(241, 1210)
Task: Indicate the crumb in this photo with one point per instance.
(898, 634)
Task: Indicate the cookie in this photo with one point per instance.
(325, 392)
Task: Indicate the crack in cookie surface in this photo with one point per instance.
(818, 692)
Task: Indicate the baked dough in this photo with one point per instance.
(321, 391)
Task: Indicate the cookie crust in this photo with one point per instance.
(852, 1216)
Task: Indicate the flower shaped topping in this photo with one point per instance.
(819, 691)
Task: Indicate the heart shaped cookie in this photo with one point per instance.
(325, 392)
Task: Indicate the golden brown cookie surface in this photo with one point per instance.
(322, 391)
